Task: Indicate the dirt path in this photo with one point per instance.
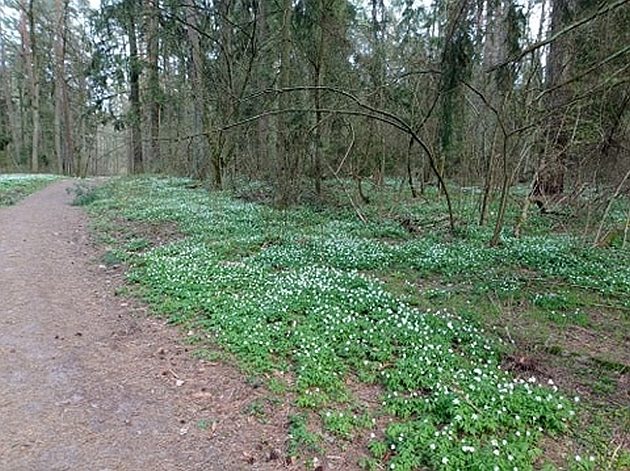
(89, 382)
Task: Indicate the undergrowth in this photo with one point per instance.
(14, 187)
(301, 291)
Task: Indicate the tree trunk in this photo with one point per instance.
(153, 96)
(378, 82)
(283, 167)
(495, 51)
(88, 147)
(137, 160)
(32, 72)
(552, 169)
(57, 127)
(319, 73)
(266, 155)
(199, 90)
(64, 142)
(414, 193)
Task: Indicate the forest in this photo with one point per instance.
(485, 94)
(405, 223)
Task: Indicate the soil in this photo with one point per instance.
(89, 381)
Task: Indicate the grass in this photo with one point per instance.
(14, 187)
(448, 330)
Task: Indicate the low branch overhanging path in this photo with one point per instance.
(88, 382)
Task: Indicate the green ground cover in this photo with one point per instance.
(333, 302)
(14, 187)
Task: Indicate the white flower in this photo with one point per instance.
(578, 458)
(444, 460)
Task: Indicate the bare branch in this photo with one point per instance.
(537, 45)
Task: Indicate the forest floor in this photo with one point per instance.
(307, 339)
(88, 381)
